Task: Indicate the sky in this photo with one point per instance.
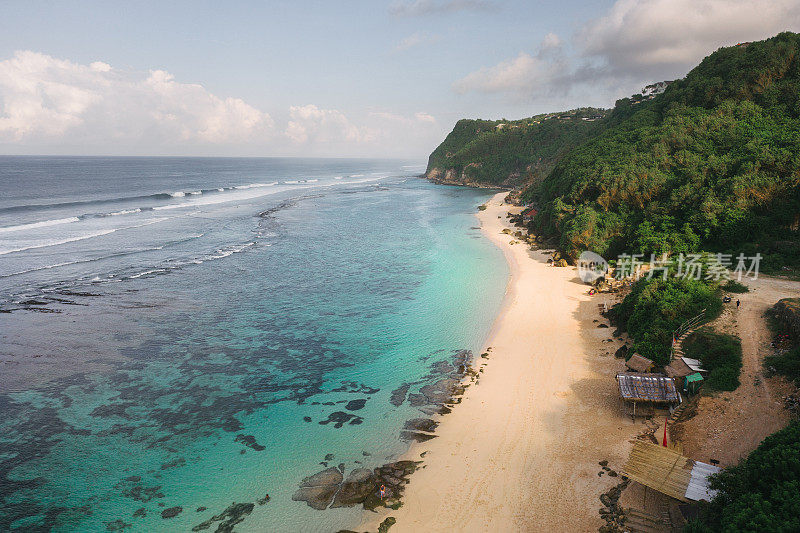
(346, 78)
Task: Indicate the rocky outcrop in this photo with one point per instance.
(787, 311)
(451, 176)
(326, 489)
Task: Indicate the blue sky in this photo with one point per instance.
(349, 78)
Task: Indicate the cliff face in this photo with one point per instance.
(451, 176)
(505, 154)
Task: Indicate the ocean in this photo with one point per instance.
(179, 334)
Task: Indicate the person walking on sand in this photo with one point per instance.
(737, 303)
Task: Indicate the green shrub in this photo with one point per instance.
(655, 308)
(735, 286)
(787, 364)
(720, 354)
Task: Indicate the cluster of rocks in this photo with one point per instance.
(792, 403)
(419, 429)
(234, 514)
(443, 386)
(606, 470)
(611, 511)
(329, 488)
(249, 441)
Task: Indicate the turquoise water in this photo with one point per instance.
(143, 393)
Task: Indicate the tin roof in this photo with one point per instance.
(647, 387)
(695, 364)
(669, 472)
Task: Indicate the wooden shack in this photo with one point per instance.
(642, 390)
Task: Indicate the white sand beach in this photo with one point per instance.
(521, 452)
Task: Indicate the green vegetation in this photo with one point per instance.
(784, 320)
(787, 363)
(762, 493)
(720, 354)
(495, 152)
(655, 308)
(713, 163)
(735, 286)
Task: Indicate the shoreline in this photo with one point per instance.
(521, 450)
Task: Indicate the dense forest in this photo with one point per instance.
(712, 163)
(509, 153)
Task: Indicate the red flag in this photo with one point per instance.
(665, 432)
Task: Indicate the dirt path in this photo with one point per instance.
(729, 425)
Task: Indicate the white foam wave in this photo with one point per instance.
(254, 185)
(5, 251)
(177, 194)
(42, 224)
(124, 212)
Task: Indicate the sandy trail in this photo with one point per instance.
(729, 425)
(521, 452)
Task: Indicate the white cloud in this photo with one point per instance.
(44, 99)
(309, 123)
(418, 8)
(636, 42)
(328, 131)
(519, 75)
(671, 36)
(50, 105)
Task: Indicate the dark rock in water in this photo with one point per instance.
(134, 479)
(417, 400)
(413, 435)
(306, 419)
(359, 484)
(399, 394)
(143, 494)
(420, 424)
(171, 512)
(443, 367)
(140, 512)
(622, 352)
(234, 514)
(355, 405)
(116, 525)
(318, 490)
(602, 325)
(249, 441)
(232, 424)
(201, 509)
(341, 467)
(440, 391)
(264, 500)
(180, 461)
(339, 418)
(329, 457)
